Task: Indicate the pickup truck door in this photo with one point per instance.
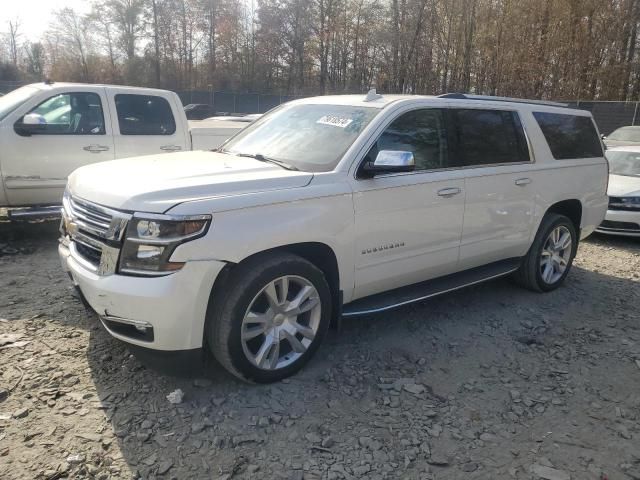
(500, 182)
(147, 123)
(74, 131)
(408, 225)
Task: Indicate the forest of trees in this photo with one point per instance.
(554, 49)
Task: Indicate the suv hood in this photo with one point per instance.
(156, 183)
(623, 186)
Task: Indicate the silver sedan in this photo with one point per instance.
(623, 214)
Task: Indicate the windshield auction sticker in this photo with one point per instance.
(334, 121)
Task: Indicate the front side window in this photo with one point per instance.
(569, 136)
(624, 163)
(421, 132)
(486, 137)
(309, 137)
(70, 114)
(144, 115)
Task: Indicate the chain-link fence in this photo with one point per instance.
(226, 102)
(7, 86)
(608, 115)
(611, 115)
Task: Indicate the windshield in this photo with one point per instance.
(626, 134)
(624, 163)
(14, 99)
(310, 138)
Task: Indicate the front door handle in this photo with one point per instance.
(523, 181)
(449, 192)
(171, 148)
(95, 148)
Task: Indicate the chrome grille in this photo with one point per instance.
(624, 203)
(89, 218)
(93, 232)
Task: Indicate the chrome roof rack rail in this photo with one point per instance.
(488, 98)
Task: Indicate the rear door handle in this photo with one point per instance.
(170, 148)
(449, 192)
(95, 148)
(523, 181)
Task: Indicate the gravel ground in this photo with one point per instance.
(492, 382)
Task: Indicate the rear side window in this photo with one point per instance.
(144, 115)
(486, 137)
(569, 136)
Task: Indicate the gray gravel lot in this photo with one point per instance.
(491, 382)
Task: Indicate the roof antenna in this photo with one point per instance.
(372, 95)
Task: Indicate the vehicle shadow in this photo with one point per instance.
(628, 244)
(224, 424)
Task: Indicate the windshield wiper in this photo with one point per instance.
(262, 158)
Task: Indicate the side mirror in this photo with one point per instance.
(30, 124)
(603, 136)
(390, 161)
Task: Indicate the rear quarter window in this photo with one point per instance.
(569, 136)
(144, 115)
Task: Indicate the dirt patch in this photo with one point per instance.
(490, 382)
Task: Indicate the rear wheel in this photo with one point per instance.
(271, 319)
(551, 255)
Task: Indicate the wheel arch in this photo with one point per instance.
(319, 254)
(572, 209)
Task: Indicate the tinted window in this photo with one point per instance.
(421, 132)
(144, 115)
(569, 136)
(486, 137)
(70, 114)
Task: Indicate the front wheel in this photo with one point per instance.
(273, 315)
(551, 255)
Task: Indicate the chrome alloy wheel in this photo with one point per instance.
(556, 253)
(281, 322)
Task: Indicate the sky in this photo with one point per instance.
(35, 15)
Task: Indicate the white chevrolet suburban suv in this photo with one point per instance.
(330, 207)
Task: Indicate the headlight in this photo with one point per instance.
(151, 239)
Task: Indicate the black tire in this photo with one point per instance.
(229, 305)
(529, 275)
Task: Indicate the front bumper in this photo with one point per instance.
(161, 313)
(620, 222)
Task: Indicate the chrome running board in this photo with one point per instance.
(431, 288)
(34, 213)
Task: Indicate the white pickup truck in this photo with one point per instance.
(330, 207)
(47, 130)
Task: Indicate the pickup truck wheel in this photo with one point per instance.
(551, 255)
(271, 318)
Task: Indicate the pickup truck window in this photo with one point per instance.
(421, 132)
(489, 137)
(309, 137)
(13, 100)
(144, 115)
(71, 114)
(569, 136)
